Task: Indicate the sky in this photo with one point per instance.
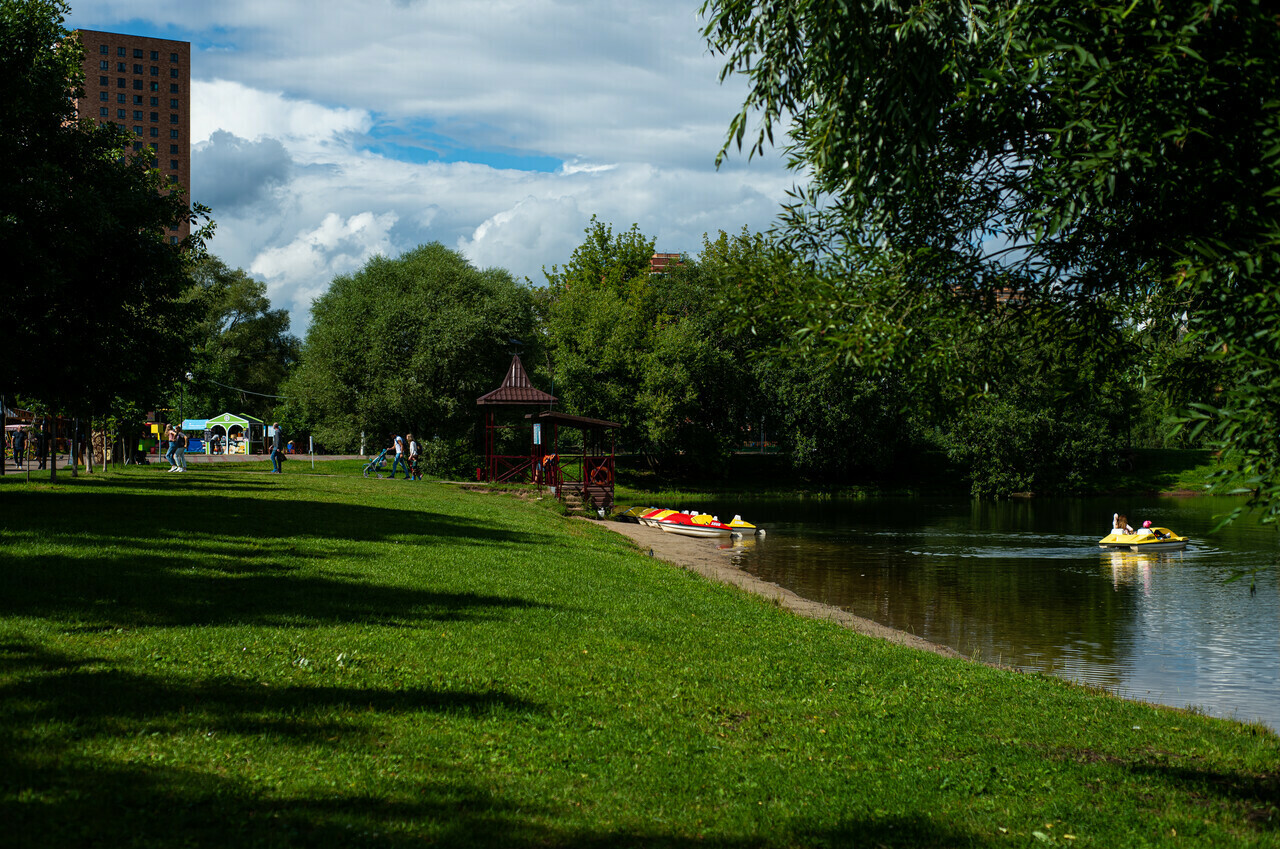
(325, 133)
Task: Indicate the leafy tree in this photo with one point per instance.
(243, 349)
(93, 291)
(598, 318)
(649, 350)
(1095, 151)
(407, 344)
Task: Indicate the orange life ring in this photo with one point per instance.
(600, 475)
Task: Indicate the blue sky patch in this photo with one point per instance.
(419, 143)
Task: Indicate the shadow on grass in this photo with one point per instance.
(133, 559)
(53, 794)
(1258, 795)
(165, 591)
(57, 789)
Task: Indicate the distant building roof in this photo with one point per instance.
(658, 263)
(516, 389)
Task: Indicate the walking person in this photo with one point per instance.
(171, 436)
(180, 453)
(277, 447)
(413, 458)
(42, 448)
(20, 448)
(399, 461)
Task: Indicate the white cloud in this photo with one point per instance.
(325, 132)
(301, 270)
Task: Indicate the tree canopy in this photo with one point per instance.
(93, 291)
(407, 344)
(1092, 159)
(243, 350)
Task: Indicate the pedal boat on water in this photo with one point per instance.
(1160, 539)
(703, 525)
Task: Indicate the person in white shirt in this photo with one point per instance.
(413, 458)
(400, 460)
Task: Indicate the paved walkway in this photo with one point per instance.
(10, 468)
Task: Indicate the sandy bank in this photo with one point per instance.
(704, 557)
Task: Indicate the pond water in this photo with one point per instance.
(1023, 583)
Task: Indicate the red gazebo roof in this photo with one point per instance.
(516, 389)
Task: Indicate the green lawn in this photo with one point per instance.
(233, 658)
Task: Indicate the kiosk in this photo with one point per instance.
(237, 433)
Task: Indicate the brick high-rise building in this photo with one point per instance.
(144, 85)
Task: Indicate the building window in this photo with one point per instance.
(104, 112)
(173, 119)
(137, 99)
(120, 113)
(173, 163)
(173, 103)
(173, 240)
(173, 88)
(155, 133)
(120, 98)
(155, 101)
(102, 95)
(173, 72)
(120, 51)
(137, 114)
(155, 55)
(122, 67)
(137, 69)
(137, 146)
(154, 86)
(173, 148)
(137, 131)
(103, 49)
(137, 84)
(154, 146)
(155, 116)
(155, 72)
(120, 82)
(104, 65)
(137, 54)
(173, 57)
(173, 134)
(104, 81)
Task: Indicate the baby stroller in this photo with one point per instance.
(375, 465)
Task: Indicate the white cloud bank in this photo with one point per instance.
(325, 133)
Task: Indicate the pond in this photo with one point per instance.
(1024, 584)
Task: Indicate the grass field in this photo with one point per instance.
(233, 658)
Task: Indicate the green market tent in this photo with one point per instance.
(241, 434)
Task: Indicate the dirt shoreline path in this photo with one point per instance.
(703, 557)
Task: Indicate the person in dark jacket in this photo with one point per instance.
(277, 446)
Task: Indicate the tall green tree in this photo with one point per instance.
(598, 317)
(93, 292)
(650, 350)
(407, 344)
(1096, 151)
(243, 350)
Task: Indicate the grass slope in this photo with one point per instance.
(230, 658)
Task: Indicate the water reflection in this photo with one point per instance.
(1024, 584)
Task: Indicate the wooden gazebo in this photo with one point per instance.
(503, 461)
(511, 456)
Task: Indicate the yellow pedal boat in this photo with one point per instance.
(1160, 539)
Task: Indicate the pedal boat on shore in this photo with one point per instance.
(704, 525)
(1161, 539)
(653, 515)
